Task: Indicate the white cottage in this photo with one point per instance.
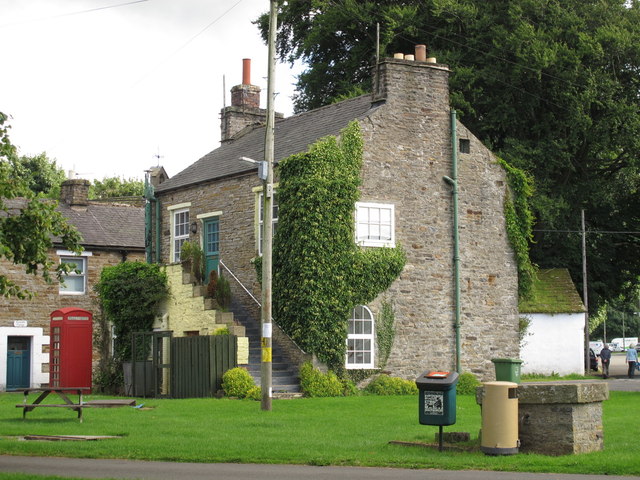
(554, 341)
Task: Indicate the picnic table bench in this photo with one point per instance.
(62, 392)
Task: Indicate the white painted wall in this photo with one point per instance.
(554, 344)
(37, 378)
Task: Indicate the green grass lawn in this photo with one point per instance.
(315, 431)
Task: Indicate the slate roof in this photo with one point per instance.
(108, 226)
(553, 292)
(292, 135)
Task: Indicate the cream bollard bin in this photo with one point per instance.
(499, 434)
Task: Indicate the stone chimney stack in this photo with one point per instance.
(75, 192)
(245, 106)
(415, 81)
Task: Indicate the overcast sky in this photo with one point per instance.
(104, 90)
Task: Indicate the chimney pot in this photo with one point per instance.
(399, 56)
(246, 71)
(421, 53)
(431, 60)
(409, 57)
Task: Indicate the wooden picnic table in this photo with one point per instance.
(62, 392)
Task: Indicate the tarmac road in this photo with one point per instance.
(134, 469)
(618, 379)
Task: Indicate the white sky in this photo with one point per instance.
(103, 91)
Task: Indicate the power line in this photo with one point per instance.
(71, 14)
(184, 45)
(591, 231)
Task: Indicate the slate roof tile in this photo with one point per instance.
(292, 135)
(101, 225)
(110, 226)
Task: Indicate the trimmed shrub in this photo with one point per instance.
(349, 388)
(223, 293)
(222, 331)
(314, 383)
(467, 383)
(386, 385)
(237, 382)
(254, 393)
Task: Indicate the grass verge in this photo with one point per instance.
(317, 431)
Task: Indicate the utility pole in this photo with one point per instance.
(267, 235)
(585, 297)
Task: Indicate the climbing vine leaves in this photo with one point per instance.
(320, 274)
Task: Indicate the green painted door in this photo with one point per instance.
(211, 245)
(18, 362)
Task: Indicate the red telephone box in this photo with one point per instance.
(71, 348)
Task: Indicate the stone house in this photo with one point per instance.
(111, 233)
(554, 341)
(405, 199)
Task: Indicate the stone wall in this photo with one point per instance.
(407, 153)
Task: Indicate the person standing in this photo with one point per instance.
(632, 359)
(605, 356)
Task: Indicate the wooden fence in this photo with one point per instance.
(198, 363)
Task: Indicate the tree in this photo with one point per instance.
(552, 87)
(40, 174)
(130, 296)
(619, 317)
(110, 187)
(28, 224)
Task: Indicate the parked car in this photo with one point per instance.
(593, 360)
(615, 347)
(597, 346)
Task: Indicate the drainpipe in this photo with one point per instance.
(453, 181)
(158, 219)
(148, 195)
(148, 221)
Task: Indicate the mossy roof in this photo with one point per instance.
(553, 292)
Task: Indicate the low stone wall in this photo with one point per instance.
(560, 418)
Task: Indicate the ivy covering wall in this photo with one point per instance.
(319, 273)
(519, 220)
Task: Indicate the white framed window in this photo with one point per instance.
(179, 231)
(274, 223)
(360, 339)
(375, 224)
(74, 282)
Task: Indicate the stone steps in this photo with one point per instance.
(284, 375)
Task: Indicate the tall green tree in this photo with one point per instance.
(551, 86)
(28, 224)
(40, 174)
(110, 187)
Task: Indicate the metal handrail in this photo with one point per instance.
(240, 283)
(258, 303)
